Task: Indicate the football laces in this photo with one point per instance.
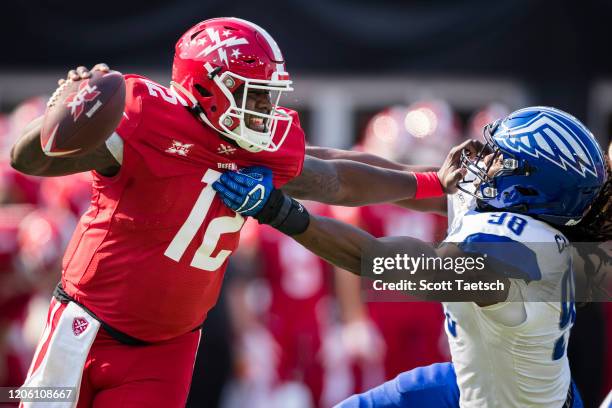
(57, 93)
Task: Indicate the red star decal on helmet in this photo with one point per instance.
(76, 100)
(220, 45)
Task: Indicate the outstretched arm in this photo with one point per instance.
(342, 182)
(436, 205)
(352, 183)
(250, 193)
(349, 247)
(349, 183)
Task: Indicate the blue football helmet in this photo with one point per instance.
(552, 166)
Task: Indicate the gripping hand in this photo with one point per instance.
(247, 190)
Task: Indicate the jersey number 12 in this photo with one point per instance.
(203, 258)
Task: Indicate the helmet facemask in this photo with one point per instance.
(477, 181)
(234, 122)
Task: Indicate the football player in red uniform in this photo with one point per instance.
(146, 261)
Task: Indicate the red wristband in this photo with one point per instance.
(428, 185)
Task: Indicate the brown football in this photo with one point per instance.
(82, 114)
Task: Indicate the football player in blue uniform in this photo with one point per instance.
(539, 182)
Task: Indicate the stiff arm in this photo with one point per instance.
(349, 183)
(353, 183)
(436, 205)
(346, 246)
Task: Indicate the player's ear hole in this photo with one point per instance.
(194, 35)
(202, 91)
(526, 191)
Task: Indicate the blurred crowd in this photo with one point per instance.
(37, 217)
(289, 329)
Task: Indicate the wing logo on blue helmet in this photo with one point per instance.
(548, 137)
(552, 167)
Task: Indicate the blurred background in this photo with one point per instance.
(402, 79)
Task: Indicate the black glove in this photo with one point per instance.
(284, 213)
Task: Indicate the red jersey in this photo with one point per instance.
(148, 257)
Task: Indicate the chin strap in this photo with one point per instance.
(247, 146)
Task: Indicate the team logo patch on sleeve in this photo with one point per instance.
(181, 149)
(225, 149)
